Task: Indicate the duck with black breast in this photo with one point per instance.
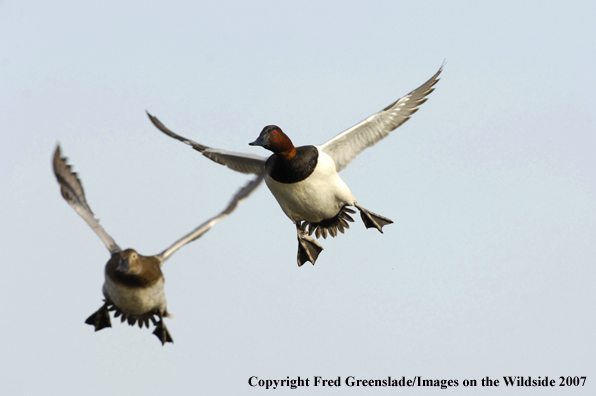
(304, 180)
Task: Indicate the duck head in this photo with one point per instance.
(129, 262)
(272, 138)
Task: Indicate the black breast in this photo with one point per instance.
(297, 169)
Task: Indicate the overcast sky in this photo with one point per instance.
(488, 270)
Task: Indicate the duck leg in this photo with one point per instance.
(100, 319)
(373, 220)
(162, 332)
(308, 248)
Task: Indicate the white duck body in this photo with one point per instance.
(318, 197)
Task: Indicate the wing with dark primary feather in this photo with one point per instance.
(240, 196)
(72, 191)
(240, 162)
(344, 147)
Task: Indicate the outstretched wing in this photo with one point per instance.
(240, 162)
(344, 147)
(240, 196)
(72, 191)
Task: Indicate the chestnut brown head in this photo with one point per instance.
(272, 138)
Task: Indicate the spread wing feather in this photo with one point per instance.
(240, 162)
(72, 191)
(240, 196)
(346, 146)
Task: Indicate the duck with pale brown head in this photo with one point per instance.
(134, 284)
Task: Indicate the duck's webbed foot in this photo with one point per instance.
(308, 248)
(373, 220)
(101, 318)
(161, 332)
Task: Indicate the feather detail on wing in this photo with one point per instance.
(72, 191)
(344, 147)
(240, 162)
(240, 196)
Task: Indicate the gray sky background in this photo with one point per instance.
(489, 269)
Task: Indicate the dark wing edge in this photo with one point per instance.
(72, 191)
(238, 198)
(347, 145)
(240, 162)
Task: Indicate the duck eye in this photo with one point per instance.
(275, 132)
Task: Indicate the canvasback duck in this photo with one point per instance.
(304, 180)
(134, 284)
